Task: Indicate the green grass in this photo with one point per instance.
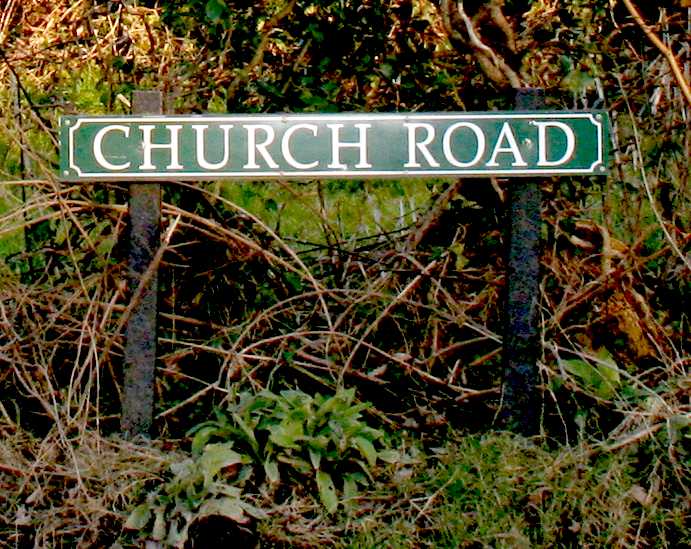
(331, 210)
(498, 490)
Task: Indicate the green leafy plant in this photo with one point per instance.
(602, 377)
(263, 438)
(208, 484)
(297, 436)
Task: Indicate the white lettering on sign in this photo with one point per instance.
(479, 142)
(414, 145)
(542, 143)
(200, 130)
(148, 146)
(285, 146)
(98, 147)
(506, 134)
(253, 147)
(337, 145)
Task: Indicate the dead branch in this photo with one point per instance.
(669, 55)
(464, 32)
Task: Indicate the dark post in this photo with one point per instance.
(140, 332)
(521, 338)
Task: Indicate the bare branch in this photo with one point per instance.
(492, 63)
(669, 55)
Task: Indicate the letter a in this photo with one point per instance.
(506, 134)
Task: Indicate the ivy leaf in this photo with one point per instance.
(215, 9)
(327, 491)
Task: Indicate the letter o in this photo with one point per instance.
(446, 144)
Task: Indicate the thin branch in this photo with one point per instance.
(669, 55)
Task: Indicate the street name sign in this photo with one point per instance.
(334, 146)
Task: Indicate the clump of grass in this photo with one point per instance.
(62, 491)
(500, 490)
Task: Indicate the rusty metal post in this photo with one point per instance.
(141, 329)
(521, 337)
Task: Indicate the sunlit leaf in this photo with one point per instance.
(601, 378)
(160, 527)
(217, 457)
(202, 437)
(287, 433)
(271, 470)
(215, 9)
(367, 450)
(327, 491)
(350, 489)
(315, 458)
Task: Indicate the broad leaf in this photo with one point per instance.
(159, 530)
(202, 437)
(327, 491)
(602, 378)
(350, 490)
(287, 434)
(367, 450)
(214, 9)
(248, 432)
(271, 470)
(315, 458)
(217, 457)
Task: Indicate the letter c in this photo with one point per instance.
(285, 146)
(98, 147)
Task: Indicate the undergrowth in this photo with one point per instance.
(338, 382)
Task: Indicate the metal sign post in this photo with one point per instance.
(521, 343)
(141, 328)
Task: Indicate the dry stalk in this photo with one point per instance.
(256, 61)
(281, 242)
(666, 52)
(646, 185)
(139, 291)
(385, 313)
(492, 63)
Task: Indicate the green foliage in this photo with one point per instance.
(297, 437)
(402, 282)
(601, 376)
(497, 490)
(201, 486)
(265, 438)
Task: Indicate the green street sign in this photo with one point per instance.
(335, 146)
